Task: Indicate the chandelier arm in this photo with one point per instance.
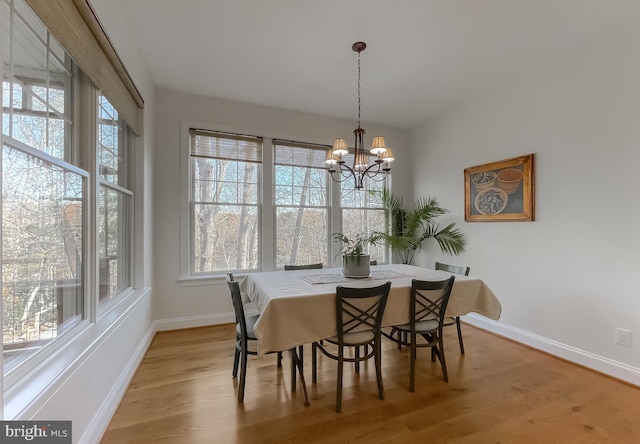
(379, 178)
(345, 173)
(367, 172)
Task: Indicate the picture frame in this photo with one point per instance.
(500, 191)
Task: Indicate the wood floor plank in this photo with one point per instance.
(499, 391)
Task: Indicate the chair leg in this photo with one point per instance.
(298, 364)
(357, 363)
(339, 388)
(443, 363)
(236, 360)
(314, 363)
(412, 365)
(459, 335)
(292, 353)
(301, 354)
(243, 372)
(279, 359)
(377, 357)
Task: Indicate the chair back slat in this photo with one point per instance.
(238, 308)
(360, 309)
(303, 267)
(456, 269)
(429, 300)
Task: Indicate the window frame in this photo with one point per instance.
(79, 157)
(257, 205)
(126, 142)
(267, 221)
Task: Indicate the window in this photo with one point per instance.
(224, 201)
(50, 189)
(252, 209)
(302, 204)
(115, 203)
(362, 210)
(44, 193)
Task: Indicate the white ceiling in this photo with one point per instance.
(423, 56)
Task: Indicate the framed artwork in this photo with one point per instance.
(500, 191)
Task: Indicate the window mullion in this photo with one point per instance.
(267, 225)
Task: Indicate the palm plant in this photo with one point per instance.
(409, 229)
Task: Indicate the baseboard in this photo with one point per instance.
(592, 361)
(198, 321)
(101, 419)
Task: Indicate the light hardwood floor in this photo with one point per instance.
(498, 392)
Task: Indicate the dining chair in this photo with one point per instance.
(454, 320)
(427, 307)
(359, 314)
(244, 334)
(303, 267)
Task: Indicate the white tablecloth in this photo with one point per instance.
(294, 311)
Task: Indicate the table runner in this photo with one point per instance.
(338, 278)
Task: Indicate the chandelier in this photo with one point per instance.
(360, 169)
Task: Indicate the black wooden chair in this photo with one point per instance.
(359, 314)
(244, 334)
(456, 269)
(427, 307)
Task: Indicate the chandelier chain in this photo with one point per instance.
(358, 89)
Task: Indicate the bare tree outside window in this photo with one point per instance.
(301, 201)
(225, 171)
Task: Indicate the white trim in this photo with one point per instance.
(30, 392)
(102, 417)
(592, 361)
(3, 11)
(199, 321)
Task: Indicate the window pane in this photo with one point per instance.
(225, 237)
(301, 199)
(42, 247)
(37, 87)
(114, 242)
(301, 235)
(112, 149)
(224, 181)
(12, 91)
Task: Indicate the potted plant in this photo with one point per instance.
(408, 229)
(355, 252)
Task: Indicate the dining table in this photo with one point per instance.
(298, 307)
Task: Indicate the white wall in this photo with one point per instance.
(179, 305)
(567, 280)
(85, 380)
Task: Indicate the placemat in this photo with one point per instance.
(338, 278)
